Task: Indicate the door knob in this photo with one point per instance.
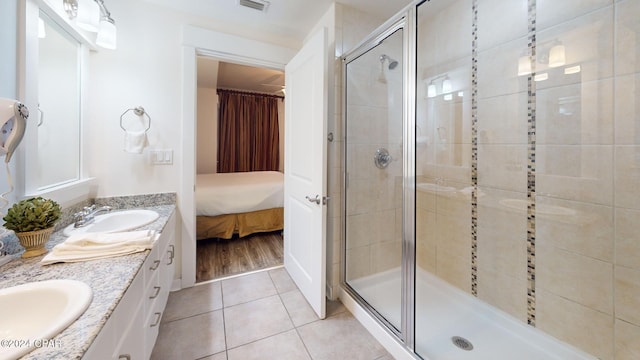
(314, 200)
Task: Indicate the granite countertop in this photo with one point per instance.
(108, 278)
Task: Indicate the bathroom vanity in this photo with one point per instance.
(131, 330)
(129, 294)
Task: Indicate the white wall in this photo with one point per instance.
(8, 44)
(145, 70)
(207, 131)
(8, 69)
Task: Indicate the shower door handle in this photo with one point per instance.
(316, 200)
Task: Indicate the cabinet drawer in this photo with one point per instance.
(152, 264)
(152, 325)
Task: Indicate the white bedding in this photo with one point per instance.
(232, 193)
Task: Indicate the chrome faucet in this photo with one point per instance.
(87, 215)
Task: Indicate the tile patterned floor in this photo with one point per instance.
(259, 316)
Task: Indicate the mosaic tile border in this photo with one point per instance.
(531, 169)
(474, 150)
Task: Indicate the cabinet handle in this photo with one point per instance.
(170, 259)
(172, 251)
(155, 295)
(158, 316)
(155, 265)
(125, 357)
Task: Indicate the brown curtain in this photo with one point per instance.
(248, 135)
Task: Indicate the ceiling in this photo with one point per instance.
(291, 19)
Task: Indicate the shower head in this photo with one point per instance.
(392, 63)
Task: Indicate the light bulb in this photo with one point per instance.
(556, 56)
(431, 91)
(446, 85)
(524, 65)
(88, 15)
(107, 35)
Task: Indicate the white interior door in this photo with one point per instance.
(305, 170)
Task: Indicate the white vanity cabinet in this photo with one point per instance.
(132, 329)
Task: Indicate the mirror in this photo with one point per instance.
(58, 113)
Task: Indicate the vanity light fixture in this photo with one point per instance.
(446, 85)
(550, 53)
(431, 90)
(524, 65)
(556, 55)
(88, 16)
(93, 16)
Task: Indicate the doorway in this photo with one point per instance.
(235, 252)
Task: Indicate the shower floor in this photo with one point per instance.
(444, 311)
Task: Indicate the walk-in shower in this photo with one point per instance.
(491, 179)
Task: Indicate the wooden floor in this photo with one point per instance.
(219, 257)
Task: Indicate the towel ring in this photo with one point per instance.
(140, 112)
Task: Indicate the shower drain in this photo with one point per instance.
(462, 343)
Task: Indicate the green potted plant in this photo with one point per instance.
(32, 220)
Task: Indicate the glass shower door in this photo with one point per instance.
(374, 176)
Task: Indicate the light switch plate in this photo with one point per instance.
(161, 156)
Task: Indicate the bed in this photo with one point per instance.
(241, 203)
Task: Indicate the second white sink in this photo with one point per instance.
(115, 221)
(33, 313)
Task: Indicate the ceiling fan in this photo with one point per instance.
(269, 82)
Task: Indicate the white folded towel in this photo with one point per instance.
(90, 246)
(135, 141)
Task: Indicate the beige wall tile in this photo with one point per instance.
(386, 256)
(628, 295)
(454, 268)
(578, 278)
(627, 103)
(627, 176)
(505, 292)
(426, 240)
(500, 22)
(575, 114)
(627, 341)
(550, 12)
(502, 235)
(503, 119)
(588, 42)
(358, 262)
(588, 230)
(575, 324)
(503, 167)
(498, 69)
(627, 37)
(579, 173)
(453, 234)
(627, 238)
(456, 43)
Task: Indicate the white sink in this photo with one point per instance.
(115, 221)
(35, 312)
